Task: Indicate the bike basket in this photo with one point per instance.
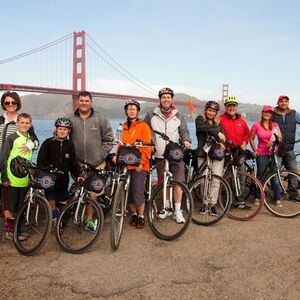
(94, 182)
(173, 152)
(216, 152)
(43, 179)
(129, 156)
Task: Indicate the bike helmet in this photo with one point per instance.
(231, 100)
(17, 166)
(212, 104)
(63, 122)
(132, 102)
(165, 90)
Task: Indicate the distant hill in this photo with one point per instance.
(45, 106)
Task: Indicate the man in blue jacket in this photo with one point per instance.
(287, 120)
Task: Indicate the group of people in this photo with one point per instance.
(86, 136)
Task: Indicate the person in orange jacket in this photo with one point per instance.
(134, 129)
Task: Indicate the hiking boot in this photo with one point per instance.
(167, 212)
(140, 222)
(133, 219)
(294, 196)
(213, 211)
(9, 235)
(278, 203)
(178, 217)
(203, 209)
(91, 226)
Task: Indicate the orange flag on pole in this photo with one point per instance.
(191, 106)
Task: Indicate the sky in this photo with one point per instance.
(191, 46)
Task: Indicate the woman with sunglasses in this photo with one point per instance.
(11, 104)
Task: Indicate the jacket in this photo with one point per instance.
(236, 130)
(203, 131)
(59, 154)
(11, 149)
(92, 137)
(174, 127)
(138, 130)
(8, 128)
(287, 123)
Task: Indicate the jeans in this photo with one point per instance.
(290, 163)
(262, 162)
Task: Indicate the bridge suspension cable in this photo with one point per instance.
(118, 67)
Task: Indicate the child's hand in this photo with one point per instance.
(26, 148)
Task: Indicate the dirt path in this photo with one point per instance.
(259, 259)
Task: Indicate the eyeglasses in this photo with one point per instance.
(10, 103)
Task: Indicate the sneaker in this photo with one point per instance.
(140, 222)
(9, 235)
(23, 236)
(256, 202)
(165, 213)
(213, 211)
(203, 209)
(133, 219)
(91, 226)
(241, 205)
(278, 203)
(178, 217)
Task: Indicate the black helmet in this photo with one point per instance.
(63, 122)
(18, 166)
(132, 102)
(165, 90)
(212, 104)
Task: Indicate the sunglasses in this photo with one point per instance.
(10, 103)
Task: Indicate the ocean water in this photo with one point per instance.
(45, 129)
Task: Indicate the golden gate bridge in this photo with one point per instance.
(49, 64)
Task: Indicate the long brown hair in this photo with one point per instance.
(269, 126)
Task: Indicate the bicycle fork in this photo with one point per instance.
(30, 201)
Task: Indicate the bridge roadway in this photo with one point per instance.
(258, 259)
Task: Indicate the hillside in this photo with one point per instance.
(43, 106)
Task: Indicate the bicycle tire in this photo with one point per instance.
(1, 227)
(223, 204)
(244, 207)
(289, 207)
(166, 229)
(37, 230)
(117, 215)
(71, 234)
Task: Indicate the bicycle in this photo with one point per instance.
(72, 234)
(128, 155)
(34, 219)
(289, 186)
(244, 185)
(206, 187)
(159, 214)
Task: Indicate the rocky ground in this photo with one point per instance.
(259, 259)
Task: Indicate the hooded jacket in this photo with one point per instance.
(174, 127)
(236, 129)
(60, 154)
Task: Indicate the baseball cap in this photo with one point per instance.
(283, 97)
(267, 108)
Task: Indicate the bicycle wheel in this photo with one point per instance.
(290, 188)
(1, 226)
(247, 196)
(117, 215)
(71, 233)
(32, 225)
(166, 228)
(203, 190)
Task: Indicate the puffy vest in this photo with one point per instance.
(287, 127)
